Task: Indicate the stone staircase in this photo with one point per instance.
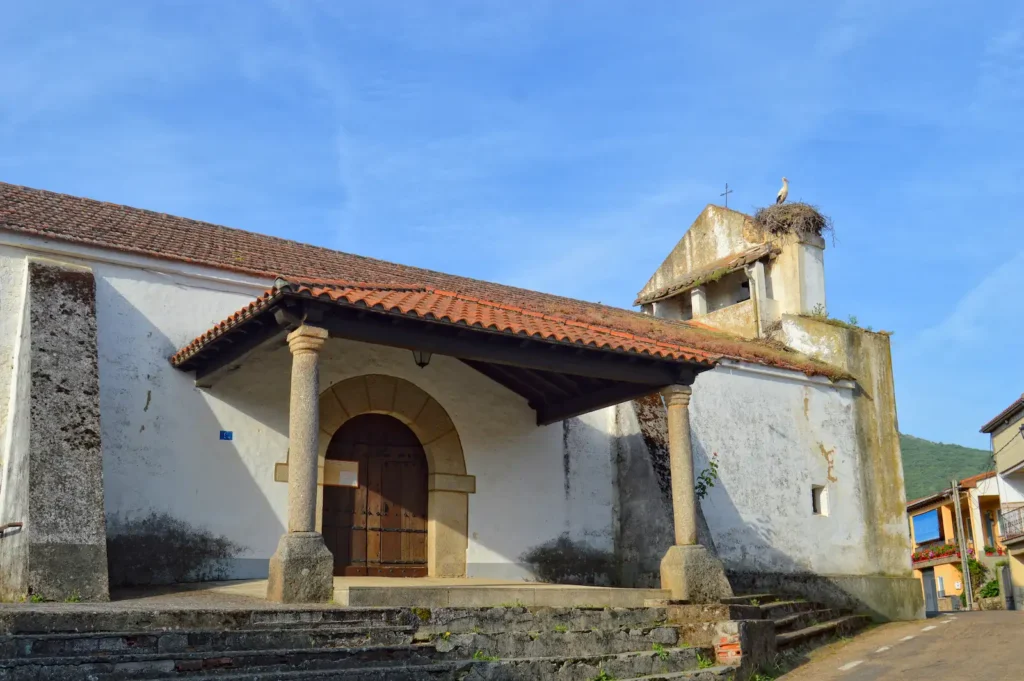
(797, 622)
(354, 644)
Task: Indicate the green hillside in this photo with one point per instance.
(929, 466)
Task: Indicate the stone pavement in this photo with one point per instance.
(965, 645)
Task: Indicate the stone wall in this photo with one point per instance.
(54, 471)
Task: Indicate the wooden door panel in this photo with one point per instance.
(378, 528)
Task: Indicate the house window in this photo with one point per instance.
(819, 499)
(942, 587)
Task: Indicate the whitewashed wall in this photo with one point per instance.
(14, 420)
(163, 456)
(161, 433)
(776, 434)
(771, 429)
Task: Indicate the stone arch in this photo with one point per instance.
(448, 485)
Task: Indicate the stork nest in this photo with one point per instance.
(793, 218)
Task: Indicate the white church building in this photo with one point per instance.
(181, 402)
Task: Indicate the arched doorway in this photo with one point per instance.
(380, 527)
(448, 485)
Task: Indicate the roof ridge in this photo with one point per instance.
(254, 270)
(358, 285)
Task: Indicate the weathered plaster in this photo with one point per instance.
(739, 318)
(716, 233)
(867, 357)
(767, 428)
(15, 381)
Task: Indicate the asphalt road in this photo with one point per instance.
(965, 645)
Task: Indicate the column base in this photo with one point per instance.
(301, 570)
(692, 574)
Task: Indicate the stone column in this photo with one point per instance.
(684, 497)
(302, 568)
(699, 301)
(688, 569)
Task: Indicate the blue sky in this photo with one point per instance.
(567, 146)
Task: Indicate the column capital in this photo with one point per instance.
(677, 395)
(306, 339)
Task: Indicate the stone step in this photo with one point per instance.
(718, 673)
(492, 620)
(469, 596)
(83, 619)
(113, 643)
(751, 599)
(558, 643)
(54, 617)
(391, 667)
(159, 665)
(819, 633)
(779, 609)
(443, 671)
(588, 668)
(803, 619)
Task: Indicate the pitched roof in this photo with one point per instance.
(715, 270)
(121, 228)
(966, 483)
(451, 307)
(975, 479)
(1004, 415)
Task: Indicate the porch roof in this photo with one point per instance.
(561, 366)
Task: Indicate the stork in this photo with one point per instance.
(784, 192)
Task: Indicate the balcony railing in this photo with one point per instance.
(1012, 525)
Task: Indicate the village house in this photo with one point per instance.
(935, 533)
(1006, 430)
(181, 401)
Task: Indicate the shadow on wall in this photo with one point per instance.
(160, 549)
(181, 504)
(564, 561)
(646, 530)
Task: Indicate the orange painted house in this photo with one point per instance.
(934, 535)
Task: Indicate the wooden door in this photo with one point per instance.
(380, 527)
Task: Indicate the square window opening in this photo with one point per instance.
(819, 499)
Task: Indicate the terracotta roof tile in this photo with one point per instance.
(450, 307)
(77, 220)
(975, 479)
(1004, 415)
